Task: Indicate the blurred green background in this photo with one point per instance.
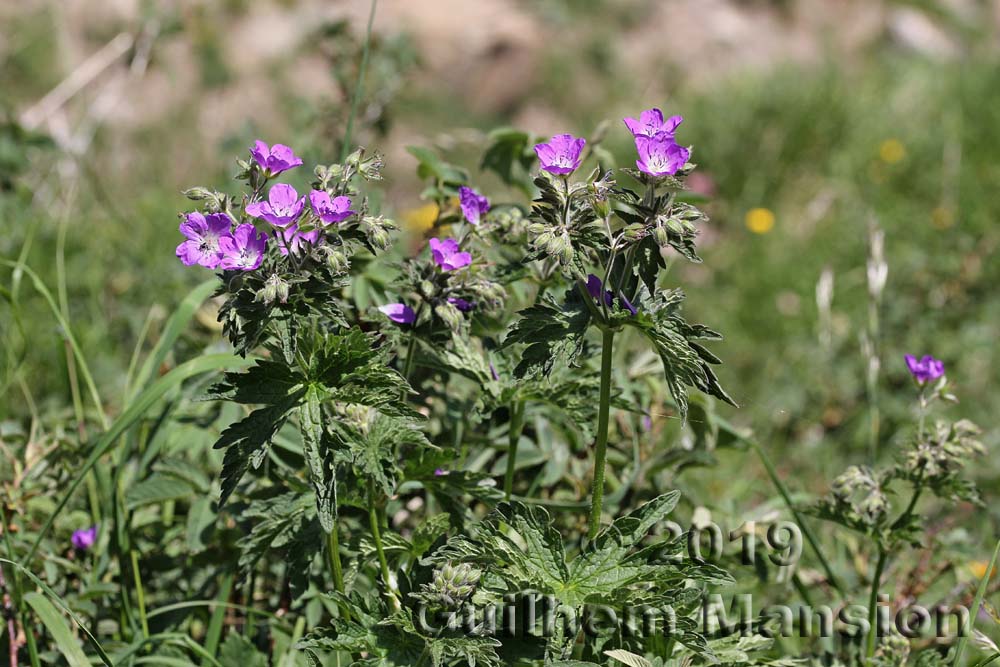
(812, 122)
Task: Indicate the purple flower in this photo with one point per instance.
(493, 372)
(447, 255)
(243, 250)
(474, 205)
(561, 155)
(294, 239)
(595, 287)
(461, 304)
(660, 155)
(627, 305)
(647, 423)
(440, 472)
(651, 123)
(203, 234)
(925, 369)
(282, 208)
(84, 538)
(399, 313)
(274, 160)
(330, 210)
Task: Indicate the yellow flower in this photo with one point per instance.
(892, 151)
(978, 569)
(942, 217)
(420, 219)
(759, 220)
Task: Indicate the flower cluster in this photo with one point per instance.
(447, 257)
(219, 240)
(659, 153)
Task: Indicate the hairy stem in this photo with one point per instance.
(333, 562)
(873, 603)
(373, 521)
(597, 492)
(514, 437)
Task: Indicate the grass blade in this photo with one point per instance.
(40, 287)
(52, 594)
(57, 627)
(977, 603)
(177, 323)
(143, 402)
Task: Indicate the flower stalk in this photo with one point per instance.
(601, 445)
(514, 437)
(373, 521)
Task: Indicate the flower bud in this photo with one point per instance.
(450, 315)
(371, 168)
(634, 232)
(427, 288)
(337, 260)
(375, 230)
(661, 236)
(198, 193)
(274, 289)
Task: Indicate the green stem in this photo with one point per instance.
(359, 87)
(873, 603)
(373, 521)
(514, 437)
(597, 493)
(140, 593)
(799, 519)
(336, 569)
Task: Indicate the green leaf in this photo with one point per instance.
(628, 658)
(429, 165)
(509, 155)
(246, 442)
(685, 362)
(157, 488)
(237, 651)
(554, 334)
(318, 459)
(57, 627)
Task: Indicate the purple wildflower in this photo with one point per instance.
(282, 208)
(399, 313)
(440, 472)
(446, 254)
(276, 159)
(294, 240)
(651, 123)
(461, 304)
(330, 210)
(474, 205)
(925, 369)
(660, 155)
(647, 423)
(243, 250)
(493, 372)
(627, 305)
(203, 233)
(561, 155)
(84, 538)
(595, 287)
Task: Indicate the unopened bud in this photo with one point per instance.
(450, 315)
